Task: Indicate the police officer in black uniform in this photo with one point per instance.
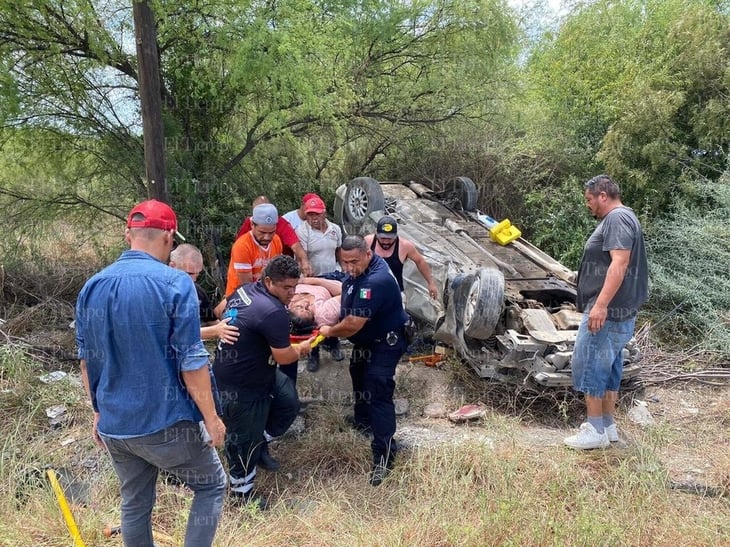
(256, 395)
(373, 319)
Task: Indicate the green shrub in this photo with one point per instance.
(559, 221)
(689, 257)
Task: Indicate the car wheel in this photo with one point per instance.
(338, 207)
(464, 191)
(483, 304)
(460, 285)
(364, 196)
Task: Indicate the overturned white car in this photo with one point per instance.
(507, 308)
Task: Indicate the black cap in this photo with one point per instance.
(387, 226)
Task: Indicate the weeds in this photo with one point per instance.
(691, 290)
(492, 488)
(473, 493)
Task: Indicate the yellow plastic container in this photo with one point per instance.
(504, 233)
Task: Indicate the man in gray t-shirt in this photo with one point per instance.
(618, 230)
(613, 283)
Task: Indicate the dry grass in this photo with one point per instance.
(488, 488)
(471, 493)
(42, 270)
(552, 407)
(660, 365)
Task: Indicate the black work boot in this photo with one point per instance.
(336, 350)
(249, 498)
(313, 360)
(363, 429)
(381, 469)
(266, 460)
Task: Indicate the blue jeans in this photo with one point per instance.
(180, 450)
(597, 364)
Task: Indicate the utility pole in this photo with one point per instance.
(148, 69)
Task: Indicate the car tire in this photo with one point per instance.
(338, 207)
(483, 305)
(464, 191)
(364, 196)
(460, 285)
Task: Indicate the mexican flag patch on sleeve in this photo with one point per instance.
(365, 294)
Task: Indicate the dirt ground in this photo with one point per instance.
(689, 420)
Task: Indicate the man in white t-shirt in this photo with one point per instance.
(296, 217)
(320, 238)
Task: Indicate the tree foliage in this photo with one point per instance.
(288, 96)
(642, 87)
(559, 220)
(317, 89)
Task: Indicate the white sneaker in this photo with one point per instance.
(587, 438)
(611, 433)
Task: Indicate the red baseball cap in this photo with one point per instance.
(153, 214)
(314, 205)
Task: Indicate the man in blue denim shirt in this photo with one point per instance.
(146, 371)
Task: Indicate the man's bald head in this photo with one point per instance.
(188, 258)
(259, 200)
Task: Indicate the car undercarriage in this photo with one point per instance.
(508, 310)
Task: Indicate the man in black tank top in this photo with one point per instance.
(393, 261)
(395, 250)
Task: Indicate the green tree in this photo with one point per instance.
(642, 89)
(688, 251)
(318, 90)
